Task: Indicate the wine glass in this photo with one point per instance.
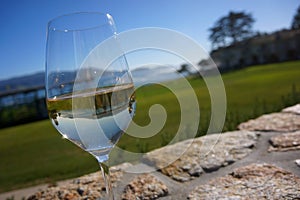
(89, 89)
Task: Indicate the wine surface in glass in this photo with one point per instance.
(93, 119)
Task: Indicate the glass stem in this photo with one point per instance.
(106, 176)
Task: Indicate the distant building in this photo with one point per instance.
(279, 46)
(22, 106)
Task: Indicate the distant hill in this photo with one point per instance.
(23, 82)
(140, 75)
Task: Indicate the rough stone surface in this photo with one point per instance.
(293, 109)
(255, 181)
(90, 186)
(146, 187)
(285, 142)
(81, 188)
(207, 153)
(280, 122)
(297, 162)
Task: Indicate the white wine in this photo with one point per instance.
(93, 119)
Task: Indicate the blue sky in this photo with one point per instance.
(23, 22)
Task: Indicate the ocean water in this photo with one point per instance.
(144, 76)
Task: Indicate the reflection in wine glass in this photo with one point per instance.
(86, 92)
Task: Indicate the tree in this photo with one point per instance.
(230, 29)
(296, 20)
(183, 68)
(217, 35)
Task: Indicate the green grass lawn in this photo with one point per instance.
(35, 153)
